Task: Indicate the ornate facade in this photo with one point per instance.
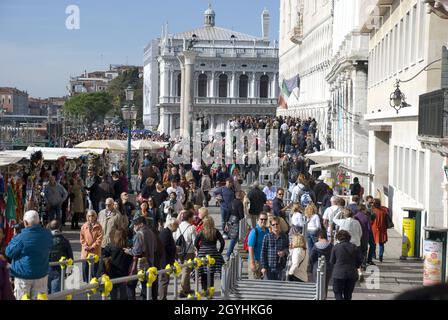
(306, 30)
(234, 74)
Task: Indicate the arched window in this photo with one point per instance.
(243, 85)
(179, 84)
(264, 86)
(202, 85)
(223, 86)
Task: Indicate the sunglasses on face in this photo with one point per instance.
(280, 194)
(263, 219)
(274, 225)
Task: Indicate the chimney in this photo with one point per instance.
(265, 24)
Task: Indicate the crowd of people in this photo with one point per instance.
(169, 219)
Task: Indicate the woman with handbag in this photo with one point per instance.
(233, 225)
(116, 263)
(379, 226)
(299, 259)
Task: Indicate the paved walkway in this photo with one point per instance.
(391, 277)
(394, 275)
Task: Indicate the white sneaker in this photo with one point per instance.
(226, 237)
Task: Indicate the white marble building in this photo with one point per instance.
(404, 39)
(235, 74)
(348, 86)
(305, 50)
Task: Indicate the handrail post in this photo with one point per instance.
(63, 277)
(324, 279)
(209, 280)
(175, 286)
(224, 282)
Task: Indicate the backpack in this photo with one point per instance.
(182, 244)
(59, 248)
(246, 240)
(305, 199)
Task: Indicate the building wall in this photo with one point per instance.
(407, 40)
(310, 59)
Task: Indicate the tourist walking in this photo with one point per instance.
(274, 252)
(379, 227)
(299, 260)
(206, 245)
(346, 259)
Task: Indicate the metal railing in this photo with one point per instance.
(105, 285)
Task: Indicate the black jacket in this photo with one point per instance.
(257, 200)
(320, 190)
(346, 258)
(61, 248)
(169, 254)
(120, 262)
(318, 251)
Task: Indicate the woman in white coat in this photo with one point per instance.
(299, 260)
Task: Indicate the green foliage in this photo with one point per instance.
(91, 106)
(117, 90)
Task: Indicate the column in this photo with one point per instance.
(274, 87)
(181, 59)
(211, 85)
(233, 85)
(172, 124)
(172, 87)
(190, 58)
(252, 86)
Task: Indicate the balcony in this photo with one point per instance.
(433, 121)
(229, 52)
(221, 101)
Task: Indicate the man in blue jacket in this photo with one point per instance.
(29, 252)
(227, 194)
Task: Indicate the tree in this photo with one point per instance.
(91, 106)
(117, 89)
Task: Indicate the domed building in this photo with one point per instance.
(234, 74)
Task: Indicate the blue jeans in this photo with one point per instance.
(225, 215)
(381, 253)
(273, 275)
(54, 280)
(372, 248)
(231, 247)
(54, 213)
(311, 240)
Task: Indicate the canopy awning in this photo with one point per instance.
(338, 164)
(69, 153)
(113, 145)
(6, 161)
(320, 166)
(50, 154)
(329, 155)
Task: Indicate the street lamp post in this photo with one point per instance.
(129, 115)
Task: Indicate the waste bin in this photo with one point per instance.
(411, 233)
(434, 253)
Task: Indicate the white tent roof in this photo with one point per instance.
(5, 161)
(114, 145)
(50, 154)
(329, 155)
(338, 164)
(147, 144)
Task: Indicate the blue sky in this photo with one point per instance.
(38, 53)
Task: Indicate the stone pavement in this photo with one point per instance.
(394, 276)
